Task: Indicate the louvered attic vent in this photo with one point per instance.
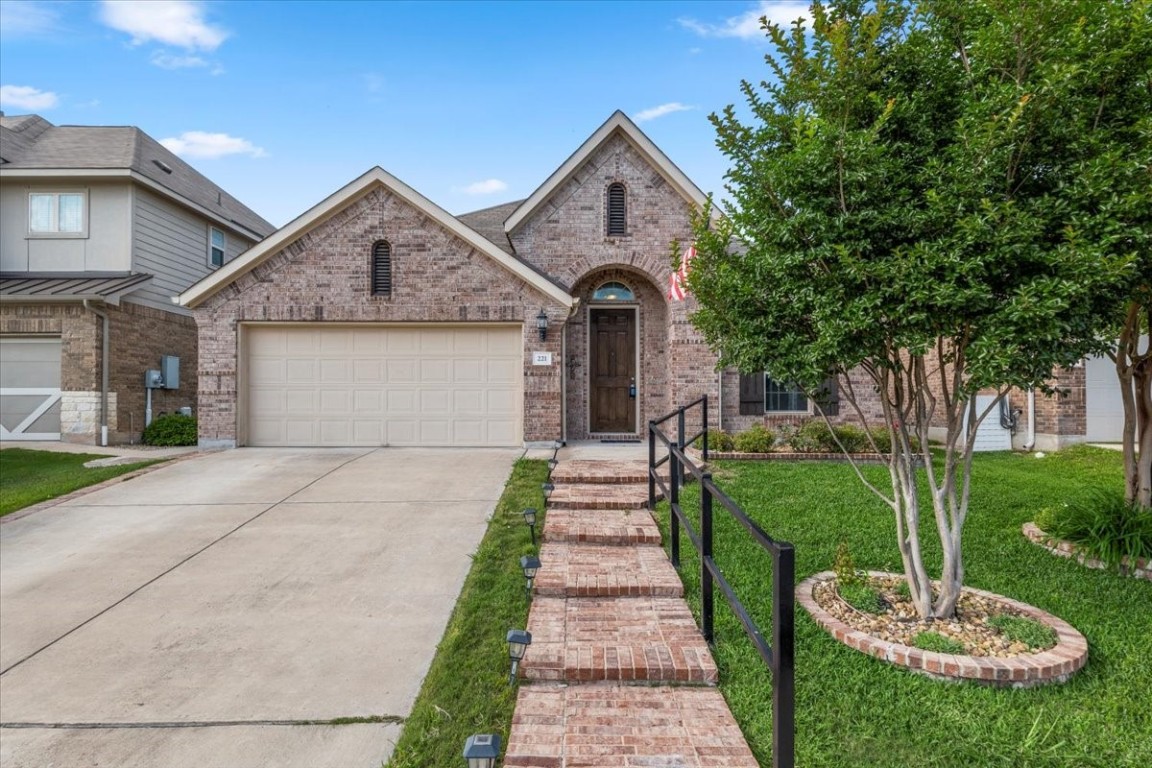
(617, 211)
(381, 268)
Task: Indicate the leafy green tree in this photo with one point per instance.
(899, 209)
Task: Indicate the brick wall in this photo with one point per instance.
(138, 335)
(324, 277)
(566, 238)
(867, 399)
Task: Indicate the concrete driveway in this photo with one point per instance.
(195, 615)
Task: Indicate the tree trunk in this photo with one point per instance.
(1134, 370)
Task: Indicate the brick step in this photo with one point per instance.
(608, 726)
(586, 570)
(599, 496)
(619, 527)
(603, 471)
(585, 639)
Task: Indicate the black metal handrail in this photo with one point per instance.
(779, 655)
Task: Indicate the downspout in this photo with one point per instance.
(1031, 441)
(103, 371)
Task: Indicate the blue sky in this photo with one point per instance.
(473, 103)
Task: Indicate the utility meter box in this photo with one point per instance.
(153, 379)
(170, 370)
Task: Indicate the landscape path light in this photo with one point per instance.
(530, 521)
(530, 565)
(481, 750)
(518, 642)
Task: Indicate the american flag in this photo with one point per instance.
(678, 285)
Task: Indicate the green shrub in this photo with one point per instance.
(844, 566)
(862, 597)
(903, 590)
(719, 440)
(1103, 525)
(882, 439)
(854, 439)
(756, 439)
(934, 641)
(811, 437)
(1024, 630)
(171, 429)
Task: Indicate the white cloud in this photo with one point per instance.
(174, 22)
(27, 97)
(664, 109)
(166, 60)
(20, 18)
(747, 25)
(487, 187)
(210, 145)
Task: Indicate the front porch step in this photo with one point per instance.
(599, 496)
(603, 471)
(616, 527)
(585, 639)
(584, 570)
(608, 726)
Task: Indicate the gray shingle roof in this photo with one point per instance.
(30, 142)
(489, 222)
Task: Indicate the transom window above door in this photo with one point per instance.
(613, 291)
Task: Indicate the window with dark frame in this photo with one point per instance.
(382, 269)
(761, 394)
(617, 210)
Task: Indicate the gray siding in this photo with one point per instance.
(105, 246)
(172, 244)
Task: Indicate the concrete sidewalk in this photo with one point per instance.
(206, 613)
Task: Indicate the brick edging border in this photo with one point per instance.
(1140, 569)
(1055, 665)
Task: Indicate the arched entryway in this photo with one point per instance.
(617, 368)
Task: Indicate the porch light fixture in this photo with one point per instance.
(481, 750)
(518, 642)
(542, 324)
(530, 565)
(530, 521)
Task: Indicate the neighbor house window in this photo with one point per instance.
(760, 394)
(617, 210)
(217, 245)
(382, 269)
(56, 213)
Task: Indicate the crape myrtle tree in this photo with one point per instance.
(898, 209)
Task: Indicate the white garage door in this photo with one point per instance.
(29, 388)
(317, 385)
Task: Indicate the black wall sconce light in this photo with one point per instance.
(542, 324)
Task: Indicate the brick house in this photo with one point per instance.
(99, 228)
(378, 318)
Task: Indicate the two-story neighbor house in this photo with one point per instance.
(99, 228)
(378, 318)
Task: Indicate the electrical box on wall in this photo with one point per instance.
(170, 370)
(153, 379)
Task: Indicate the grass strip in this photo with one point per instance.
(466, 690)
(28, 477)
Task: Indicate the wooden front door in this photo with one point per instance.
(613, 371)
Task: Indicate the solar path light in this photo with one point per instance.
(529, 565)
(518, 642)
(481, 750)
(530, 521)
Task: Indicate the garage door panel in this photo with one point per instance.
(384, 385)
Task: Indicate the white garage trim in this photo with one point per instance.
(333, 384)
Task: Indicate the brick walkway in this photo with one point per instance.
(609, 625)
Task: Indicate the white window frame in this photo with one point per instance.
(54, 232)
(212, 247)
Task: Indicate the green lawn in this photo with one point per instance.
(852, 710)
(466, 690)
(28, 477)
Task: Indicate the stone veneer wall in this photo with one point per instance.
(138, 335)
(324, 276)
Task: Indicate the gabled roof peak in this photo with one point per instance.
(617, 123)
